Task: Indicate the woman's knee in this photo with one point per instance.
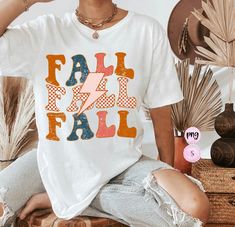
(190, 198)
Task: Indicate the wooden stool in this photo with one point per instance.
(47, 218)
(219, 183)
(218, 225)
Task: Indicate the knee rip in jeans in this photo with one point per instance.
(180, 218)
(6, 213)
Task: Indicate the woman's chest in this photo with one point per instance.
(119, 73)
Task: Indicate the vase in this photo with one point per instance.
(225, 122)
(223, 152)
(180, 162)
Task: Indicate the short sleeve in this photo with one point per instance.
(163, 86)
(19, 47)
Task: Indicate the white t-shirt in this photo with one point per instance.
(88, 93)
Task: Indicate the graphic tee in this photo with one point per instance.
(88, 94)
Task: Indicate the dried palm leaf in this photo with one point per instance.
(222, 54)
(202, 99)
(4, 129)
(220, 18)
(18, 130)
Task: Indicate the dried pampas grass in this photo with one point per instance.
(202, 99)
(18, 130)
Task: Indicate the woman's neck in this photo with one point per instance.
(95, 9)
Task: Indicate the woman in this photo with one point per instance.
(89, 156)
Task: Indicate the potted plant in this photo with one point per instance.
(201, 104)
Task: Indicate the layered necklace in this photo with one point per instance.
(87, 21)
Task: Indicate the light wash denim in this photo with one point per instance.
(133, 197)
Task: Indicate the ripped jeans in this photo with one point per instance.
(133, 197)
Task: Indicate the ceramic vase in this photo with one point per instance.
(223, 152)
(179, 161)
(223, 149)
(225, 122)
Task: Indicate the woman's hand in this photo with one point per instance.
(37, 201)
(11, 9)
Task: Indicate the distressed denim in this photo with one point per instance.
(133, 197)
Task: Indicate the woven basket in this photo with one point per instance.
(215, 179)
(222, 208)
(219, 183)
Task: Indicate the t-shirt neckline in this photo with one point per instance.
(105, 30)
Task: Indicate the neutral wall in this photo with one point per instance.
(159, 9)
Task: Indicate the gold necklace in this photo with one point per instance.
(85, 20)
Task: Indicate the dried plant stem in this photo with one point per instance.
(231, 78)
(219, 19)
(18, 129)
(202, 98)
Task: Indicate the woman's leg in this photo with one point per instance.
(187, 195)
(18, 182)
(152, 193)
(160, 199)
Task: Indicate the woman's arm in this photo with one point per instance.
(11, 9)
(164, 134)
